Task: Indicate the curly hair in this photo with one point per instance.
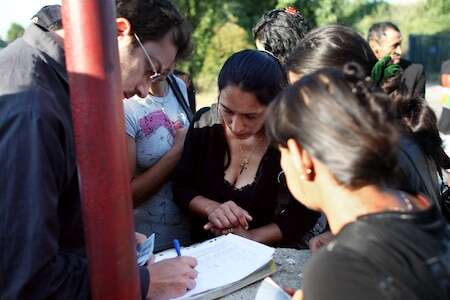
(280, 31)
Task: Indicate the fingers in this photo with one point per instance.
(190, 284)
(140, 238)
(227, 215)
(241, 214)
(208, 226)
(231, 215)
(188, 260)
(298, 295)
(319, 241)
(191, 273)
(289, 291)
(151, 260)
(314, 244)
(216, 231)
(217, 220)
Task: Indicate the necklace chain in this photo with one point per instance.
(245, 161)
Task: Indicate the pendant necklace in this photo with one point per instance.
(246, 160)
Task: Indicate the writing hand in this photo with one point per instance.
(171, 278)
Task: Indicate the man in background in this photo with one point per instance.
(385, 39)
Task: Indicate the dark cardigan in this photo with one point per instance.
(201, 172)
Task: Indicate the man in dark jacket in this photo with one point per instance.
(41, 230)
(385, 39)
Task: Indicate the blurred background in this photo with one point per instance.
(221, 27)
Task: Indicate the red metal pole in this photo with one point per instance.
(94, 75)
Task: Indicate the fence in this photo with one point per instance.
(429, 50)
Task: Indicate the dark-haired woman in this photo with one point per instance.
(332, 47)
(228, 174)
(279, 31)
(339, 153)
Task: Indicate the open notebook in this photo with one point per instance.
(226, 264)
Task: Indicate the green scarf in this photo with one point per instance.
(384, 70)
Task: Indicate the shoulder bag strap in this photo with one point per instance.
(180, 98)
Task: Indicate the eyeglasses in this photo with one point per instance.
(156, 75)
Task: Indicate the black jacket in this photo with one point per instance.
(413, 78)
(41, 230)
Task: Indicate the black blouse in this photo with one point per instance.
(201, 172)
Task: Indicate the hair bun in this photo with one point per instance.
(353, 72)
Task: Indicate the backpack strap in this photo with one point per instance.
(180, 98)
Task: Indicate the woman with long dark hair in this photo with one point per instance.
(338, 146)
(228, 174)
(420, 150)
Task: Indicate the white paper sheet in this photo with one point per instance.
(223, 260)
(269, 290)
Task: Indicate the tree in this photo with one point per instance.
(15, 31)
(228, 39)
(207, 17)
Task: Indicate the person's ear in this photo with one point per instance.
(302, 160)
(123, 27)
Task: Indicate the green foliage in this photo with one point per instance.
(212, 44)
(228, 39)
(15, 31)
(438, 13)
(206, 17)
(3, 44)
(247, 12)
(203, 16)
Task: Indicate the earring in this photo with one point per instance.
(308, 172)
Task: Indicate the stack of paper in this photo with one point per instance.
(223, 261)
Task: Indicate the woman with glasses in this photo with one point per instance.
(227, 175)
(156, 125)
(338, 146)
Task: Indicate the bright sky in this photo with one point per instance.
(21, 11)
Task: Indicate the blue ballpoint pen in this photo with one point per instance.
(176, 245)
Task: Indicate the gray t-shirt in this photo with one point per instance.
(152, 122)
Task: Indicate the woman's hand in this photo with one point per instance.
(227, 216)
(140, 238)
(319, 241)
(295, 294)
(238, 230)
